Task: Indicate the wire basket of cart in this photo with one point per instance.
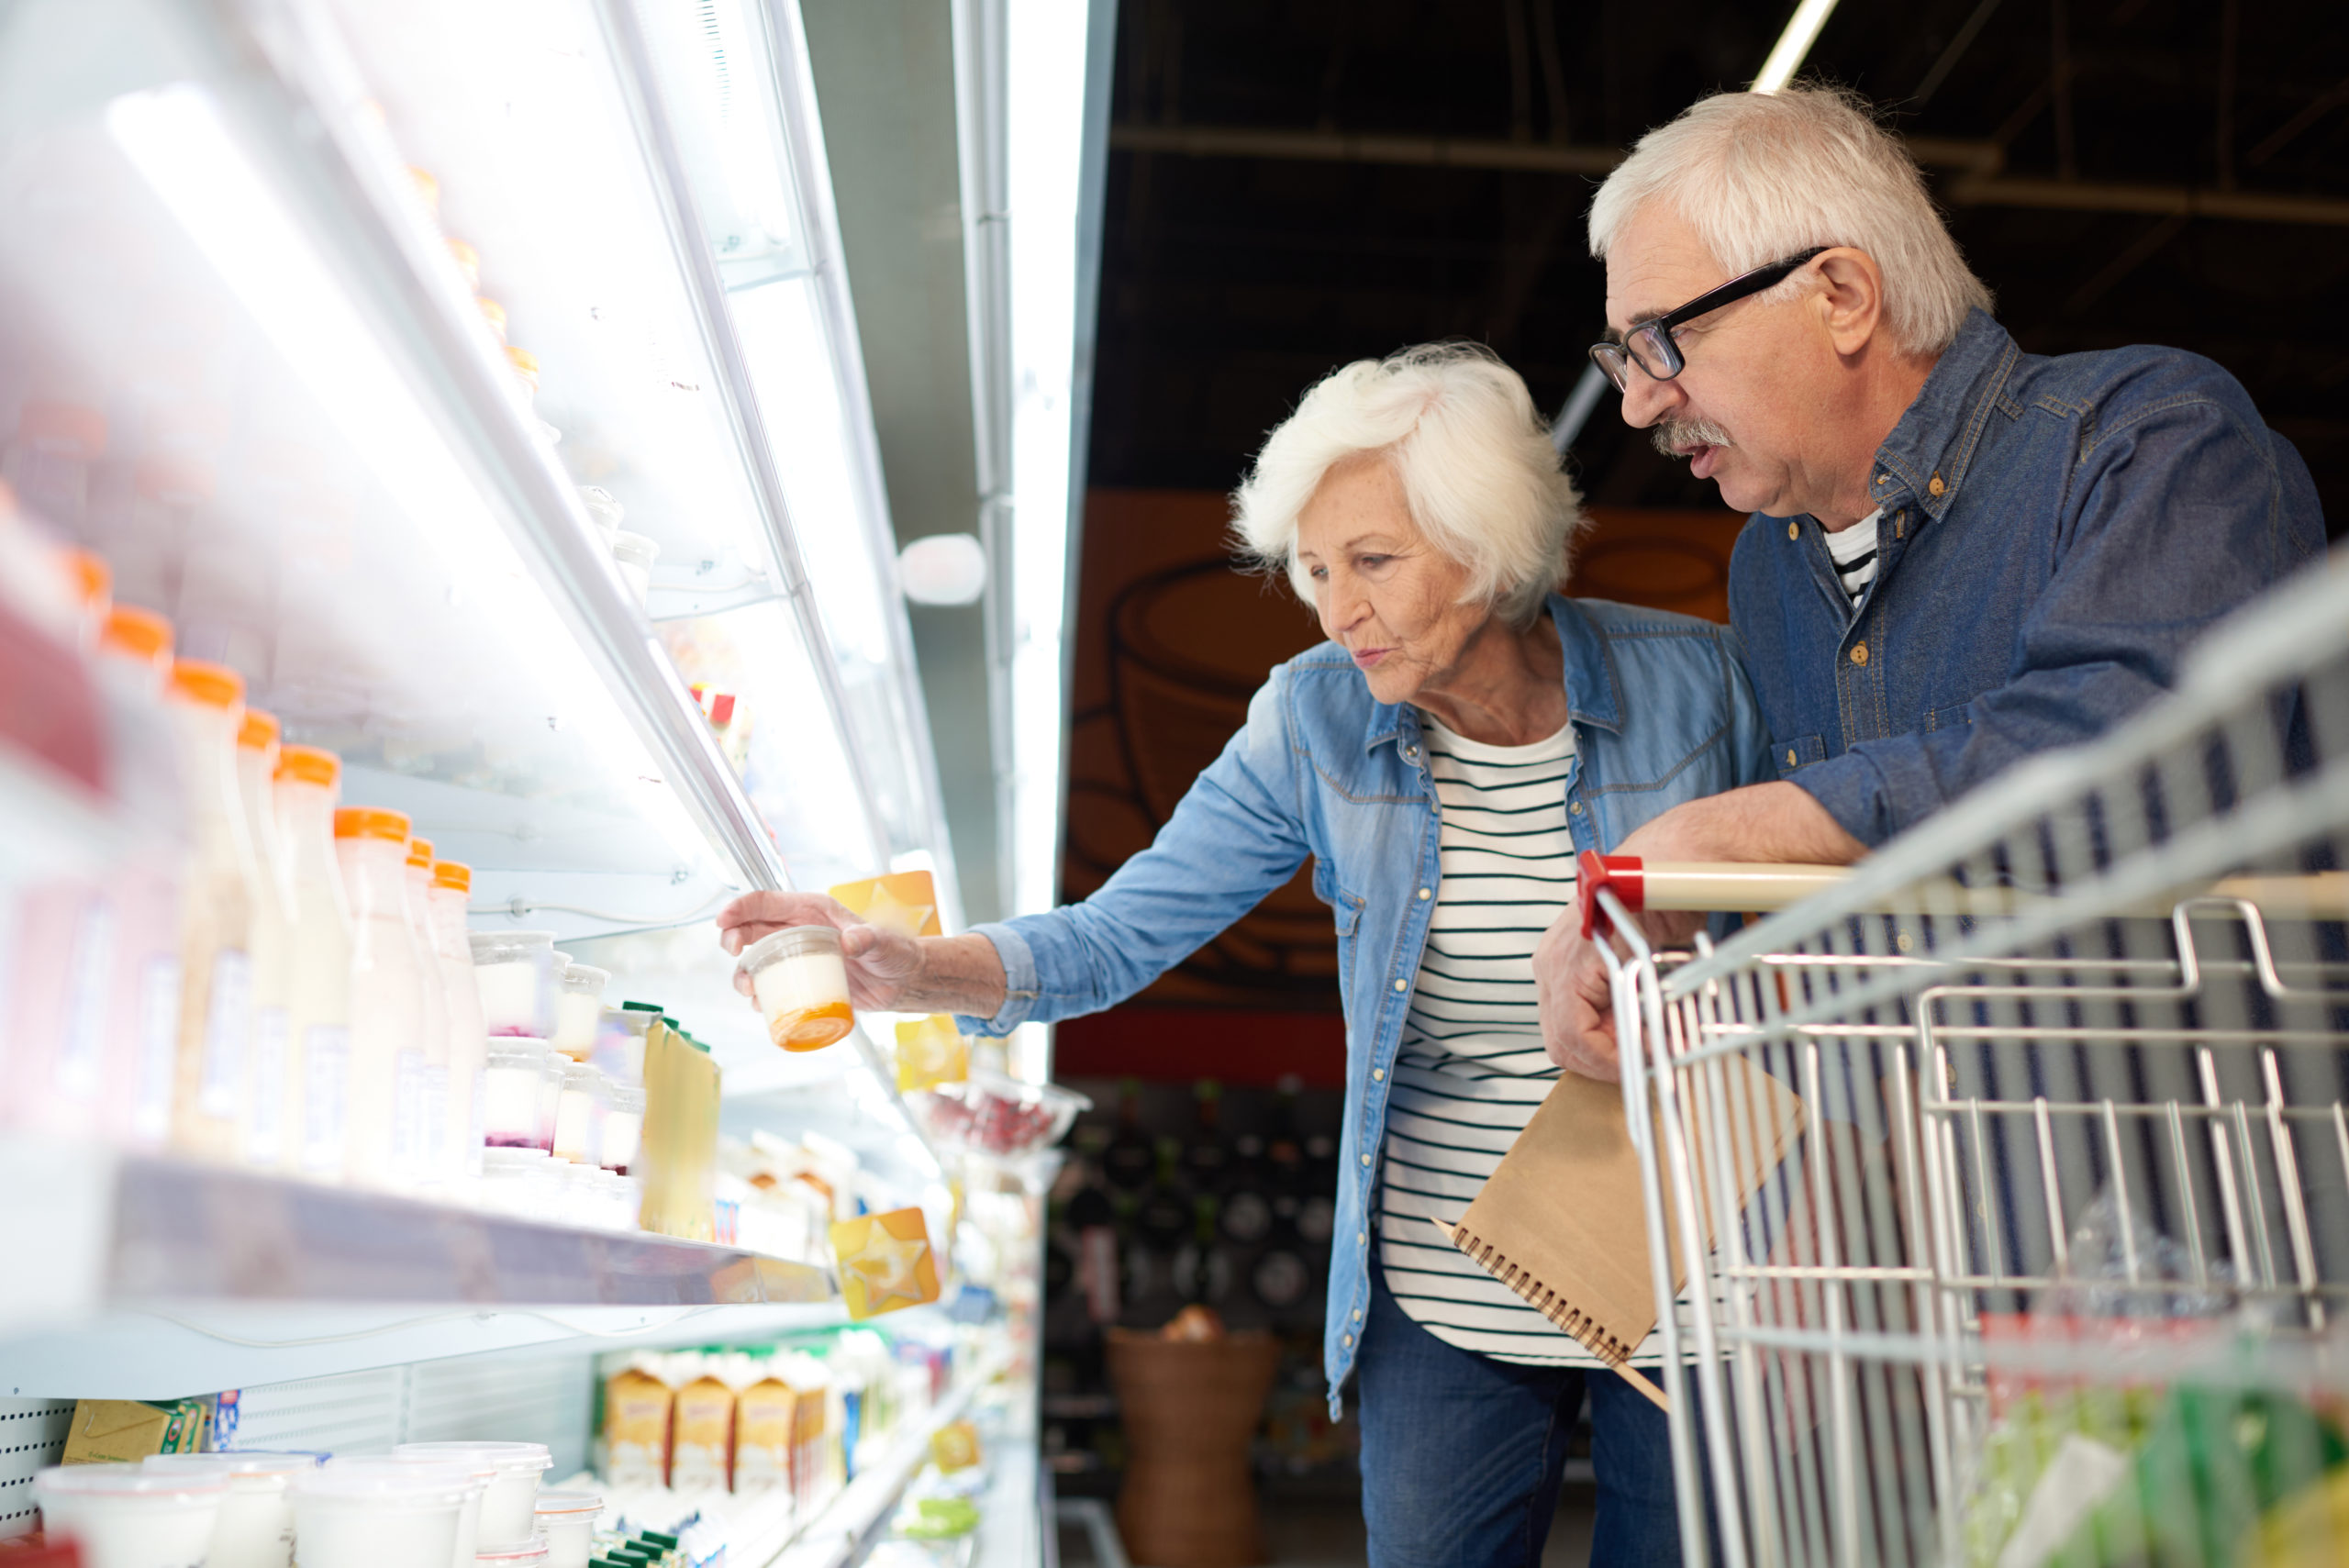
(2056, 1272)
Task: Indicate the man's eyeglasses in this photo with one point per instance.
(1651, 345)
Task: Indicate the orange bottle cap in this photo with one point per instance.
(420, 852)
(142, 634)
(311, 765)
(452, 873)
(523, 360)
(92, 575)
(371, 822)
(427, 187)
(494, 312)
(260, 729)
(200, 680)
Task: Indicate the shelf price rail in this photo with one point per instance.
(2073, 1155)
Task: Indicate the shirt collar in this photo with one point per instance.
(1593, 696)
(1923, 462)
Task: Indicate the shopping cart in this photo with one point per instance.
(2055, 1269)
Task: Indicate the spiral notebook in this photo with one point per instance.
(1561, 1221)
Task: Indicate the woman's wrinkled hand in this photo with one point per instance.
(881, 964)
(1576, 1000)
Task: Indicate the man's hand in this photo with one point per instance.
(1766, 823)
(883, 965)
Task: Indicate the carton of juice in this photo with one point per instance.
(698, 1459)
(637, 1409)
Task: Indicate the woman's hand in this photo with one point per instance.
(1577, 1001)
(884, 967)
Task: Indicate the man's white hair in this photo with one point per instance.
(1482, 480)
(1763, 176)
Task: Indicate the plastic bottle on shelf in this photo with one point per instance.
(140, 1053)
(468, 1062)
(433, 1149)
(386, 998)
(266, 1130)
(318, 1057)
(49, 457)
(219, 898)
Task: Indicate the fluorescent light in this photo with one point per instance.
(176, 141)
(1787, 54)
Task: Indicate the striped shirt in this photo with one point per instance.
(1854, 549)
(1471, 1068)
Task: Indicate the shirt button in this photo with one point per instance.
(1575, 809)
(1361, 1237)
(1426, 894)
(1859, 653)
(1794, 530)
(1365, 1159)
(1347, 1340)
(1790, 756)
(1357, 1313)
(1410, 751)
(1934, 486)
(1881, 479)
(1378, 1075)
(1402, 986)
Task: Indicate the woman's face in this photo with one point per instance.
(1382, 592)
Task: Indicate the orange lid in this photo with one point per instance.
(92, 575)
(370, 822)
(427, 187)
(311, 765)
(420, 852)
(202, 681)
(259, 731)
(452, 873)
(142, 634)
(468, 262)
(524, 360)
(494, 313)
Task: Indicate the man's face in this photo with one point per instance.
(1756, 376)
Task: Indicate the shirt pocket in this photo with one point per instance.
(1955, 718)
(1800, 752)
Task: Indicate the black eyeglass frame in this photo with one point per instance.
(1616, 359)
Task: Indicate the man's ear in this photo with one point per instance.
(1851, 303)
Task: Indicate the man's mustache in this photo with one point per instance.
(1673, 437)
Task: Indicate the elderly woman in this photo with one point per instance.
(1465, 732)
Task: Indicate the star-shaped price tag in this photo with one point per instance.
(906, 903)
(884, 1262)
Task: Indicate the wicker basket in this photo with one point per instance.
(1190, 1409)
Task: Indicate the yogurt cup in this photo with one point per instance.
(127, 1516)
(567, 1519)
(574, 1111)
(578, 1008)
(514, 971)
(514, 1094)
(623, 1125)
(255, 1525)
(519, 1181)
(478, 1475)
(506, 1515)
(531, 1553)
(801, 986)
(378, 1513)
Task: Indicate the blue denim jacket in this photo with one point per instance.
(1661, 715)
(2056, 532)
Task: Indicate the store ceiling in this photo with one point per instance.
(1295, 184)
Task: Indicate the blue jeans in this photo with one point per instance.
(1461, 1455)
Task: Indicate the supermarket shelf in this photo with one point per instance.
(839, 1535)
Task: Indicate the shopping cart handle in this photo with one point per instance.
(1618, 873)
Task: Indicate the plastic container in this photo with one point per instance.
(513, 1114)
(578, 1008)
(634, 555)
(617, 1140)
(273, 946)
(619, 1044)
(996, 1114)
(468, 1061)
(318, 1056)
(507, 1517)
(386, 1072)
(679, 1145)
(567, 1519)
(531, 1553)
(575, 1113)
(211, 1079)
(126, 1515)
(519, 1182)
(514, 972)
(801, 987)
(474, 1477)
(375, 1514)
(432, 1150)
(255, 1525)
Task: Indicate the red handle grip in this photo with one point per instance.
(1621, 874)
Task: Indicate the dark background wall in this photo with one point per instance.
(1295, 183)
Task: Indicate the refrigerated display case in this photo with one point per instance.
(477, 387)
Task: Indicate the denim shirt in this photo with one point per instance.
(2055, 533)
(1662, 714)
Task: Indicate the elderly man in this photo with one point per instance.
(1960, 554)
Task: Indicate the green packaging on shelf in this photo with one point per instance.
(666, 1542)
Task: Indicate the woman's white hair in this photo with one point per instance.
(1762, 176)
(1478, 472)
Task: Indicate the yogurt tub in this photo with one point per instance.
(377, 1513)
(623, 1125)
(531, 1553)
(574, 1111)
(506, 1511)
(801, 987)
(519, 1181)
(515, 970)
(567, 1519)
(127, 1516)
(474, 1478)
(514, 1092)
(255, 1525)
(578, 1008)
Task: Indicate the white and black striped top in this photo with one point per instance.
(1471, 1069)
(1854, 549)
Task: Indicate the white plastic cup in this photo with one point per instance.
(507, 1509)
(127, 1516)
(534, 1553)
(371, 1514)
(567, 1519)
(476, 1477)
(255, 1526)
